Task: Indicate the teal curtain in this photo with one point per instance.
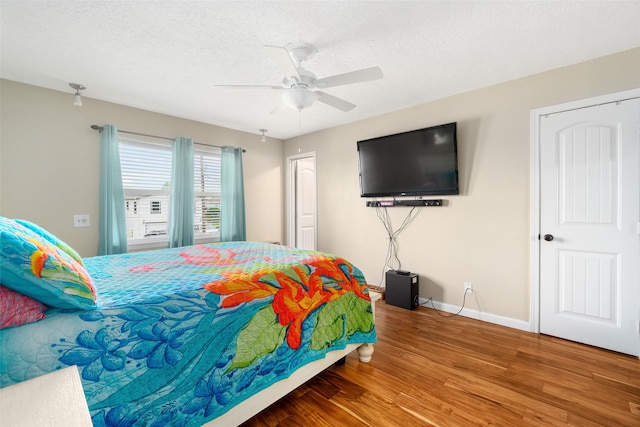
(112, 223)
(182, 194)
(232, 222)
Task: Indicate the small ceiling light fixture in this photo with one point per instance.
(77, 101)
(264, 138)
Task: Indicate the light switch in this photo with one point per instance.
(81, 220)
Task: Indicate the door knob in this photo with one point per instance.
(548, 237)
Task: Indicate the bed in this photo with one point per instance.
(206, 334)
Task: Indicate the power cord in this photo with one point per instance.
(392, 249)
(464, 300)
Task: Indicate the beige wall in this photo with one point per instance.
(49, 161)
(482, 235)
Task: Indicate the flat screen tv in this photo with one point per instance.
(422, 162)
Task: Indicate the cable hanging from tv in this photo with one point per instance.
(392, 249)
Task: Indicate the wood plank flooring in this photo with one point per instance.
(428, 370)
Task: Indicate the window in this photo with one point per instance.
(207, 187)
(129, 205)
(156, 207)
(146, 178)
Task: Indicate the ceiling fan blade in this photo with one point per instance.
(250, 86)
(358, 76)
(282, 59)
(335, 102)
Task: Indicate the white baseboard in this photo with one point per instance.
(475, 314)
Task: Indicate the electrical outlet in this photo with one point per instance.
(81, 220)
(468, 287)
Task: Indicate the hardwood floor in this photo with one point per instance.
(428, 370)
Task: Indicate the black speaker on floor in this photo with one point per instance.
(402, 289)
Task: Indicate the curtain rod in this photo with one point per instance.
(99, 129)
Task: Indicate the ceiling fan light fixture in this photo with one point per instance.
(299, 98)
(299, 85)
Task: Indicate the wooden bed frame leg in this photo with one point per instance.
(365, 351)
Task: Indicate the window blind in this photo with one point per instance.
(207, 187)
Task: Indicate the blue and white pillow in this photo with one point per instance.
(36, 263)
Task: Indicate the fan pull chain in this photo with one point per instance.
(299, 129)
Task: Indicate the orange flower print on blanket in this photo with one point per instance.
(296, 291)
(40, 256)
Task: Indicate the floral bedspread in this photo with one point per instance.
(182, 335)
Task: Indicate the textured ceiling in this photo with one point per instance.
(167, 56)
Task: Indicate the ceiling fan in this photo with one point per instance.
(300, 86)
